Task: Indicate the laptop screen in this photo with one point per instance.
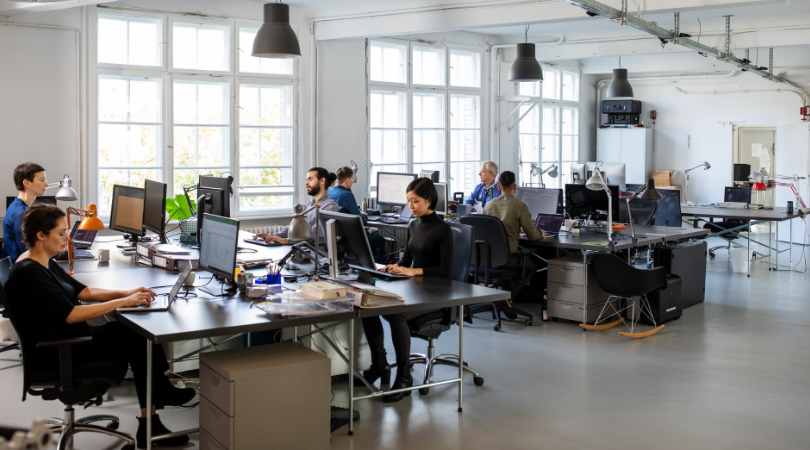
(549, 223)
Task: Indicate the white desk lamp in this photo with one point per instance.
(597, 183)
(687, 172)
(66, 193)
(552, 171)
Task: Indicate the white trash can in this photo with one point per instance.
(739, 260)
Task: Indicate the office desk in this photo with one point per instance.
(573, 292)
(751, 217)
(205, 317)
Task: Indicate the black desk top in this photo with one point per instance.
(206, 317)
(776, 214)
(645, 235)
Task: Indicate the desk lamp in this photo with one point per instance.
(66, 193)
(597, 183)
(90, 222)
(648, 193)
(705, 165)
(551, 170)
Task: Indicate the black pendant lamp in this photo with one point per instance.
(276, 38)
(619, 86)
(526, 67)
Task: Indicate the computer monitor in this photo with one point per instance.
(352, 242)
(441, 191)
(578, 173)
(613, 173)
(432, 174)
(41, 200)
(737, 194)
(541, 200)
(220, 206)
(391, 188)
(668, 212)
(581, 202)
(154, 208)
(218, 247)
(127, 211)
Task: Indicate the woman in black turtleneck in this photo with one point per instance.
(428, 253)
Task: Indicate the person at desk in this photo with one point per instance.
(31, 182)
(516, 218)
(428, 253)
(342, 192)
(318, 182)
(47, 304)
(488, 189)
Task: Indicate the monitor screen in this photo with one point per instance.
(127, 210)
(223, 183)
(441, 191)
(220, 236)
(737, 194)
(352, 242)
(391, 187)
(541, 200)
(581, 202)
(154, 208)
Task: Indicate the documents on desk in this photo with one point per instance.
(328, 296)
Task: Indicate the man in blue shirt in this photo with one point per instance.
(488, 189)
(31, 182)
(342, 194)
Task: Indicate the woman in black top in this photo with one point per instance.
(428, 253)
(44, 304)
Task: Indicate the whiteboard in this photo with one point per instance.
(39, 103)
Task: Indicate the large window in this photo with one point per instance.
(428, 117)
(204, 107)
(549, 128)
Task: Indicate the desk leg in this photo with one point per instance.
(790, 250)
(748, 234)
(351, 377)
(149, 389)
(770, 246)
(460, 356)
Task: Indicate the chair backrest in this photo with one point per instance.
(617, 277)
(5, 271)
(490, 232)
(668, 212)
(462, 250)
(643, 211)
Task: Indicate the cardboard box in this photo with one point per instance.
(662, 178)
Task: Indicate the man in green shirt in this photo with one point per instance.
(516, 217)
(513, 212)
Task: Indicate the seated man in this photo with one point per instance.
(31, 182)
(488, 189)
(318, 181)
(342, 192)
(516, 217)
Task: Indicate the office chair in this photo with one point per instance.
(5, 271)
(730, 194)
(491, 261)
(431, 325)
(625, 282)
(61, 385)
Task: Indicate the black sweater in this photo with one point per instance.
(430, 246)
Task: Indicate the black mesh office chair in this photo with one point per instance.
(624, 282)
(5, 270)
(431, 325)
(734, 226)
(39, 379)
(490, 256)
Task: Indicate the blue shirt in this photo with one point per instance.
(483, 194)
(12, 229)
(345, 199)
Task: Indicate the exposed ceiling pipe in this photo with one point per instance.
(595, 8)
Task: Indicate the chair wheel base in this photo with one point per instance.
(479, 381)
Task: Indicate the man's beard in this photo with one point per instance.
(314, 191)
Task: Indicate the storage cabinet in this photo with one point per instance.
(573, 293)
(631, 146)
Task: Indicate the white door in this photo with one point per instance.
(756, 146)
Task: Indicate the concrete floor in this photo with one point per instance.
(730, 374)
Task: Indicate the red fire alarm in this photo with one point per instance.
(805, 113)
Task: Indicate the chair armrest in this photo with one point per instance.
(65, 342)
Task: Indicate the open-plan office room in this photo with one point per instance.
(322, 224)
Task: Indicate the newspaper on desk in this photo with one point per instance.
(298, 304)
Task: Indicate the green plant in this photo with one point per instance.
(178, 209)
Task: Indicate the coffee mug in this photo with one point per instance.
(104, 255)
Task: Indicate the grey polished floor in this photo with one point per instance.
(730, 374)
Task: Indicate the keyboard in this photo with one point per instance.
(77, 255)
(263, 243)
(379, 273)
(732, 205)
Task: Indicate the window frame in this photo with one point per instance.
(540, 102)
(447, 91)
(167, 74)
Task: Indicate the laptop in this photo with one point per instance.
(549, 223)
(404, 217)
(82, 241)
(164, 301)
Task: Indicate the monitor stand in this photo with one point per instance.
(229, 289)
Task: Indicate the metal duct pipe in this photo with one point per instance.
(596, 8)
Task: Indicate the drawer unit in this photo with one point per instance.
(574, 311)
(573, 290)
(273, 396)
(566, 271)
